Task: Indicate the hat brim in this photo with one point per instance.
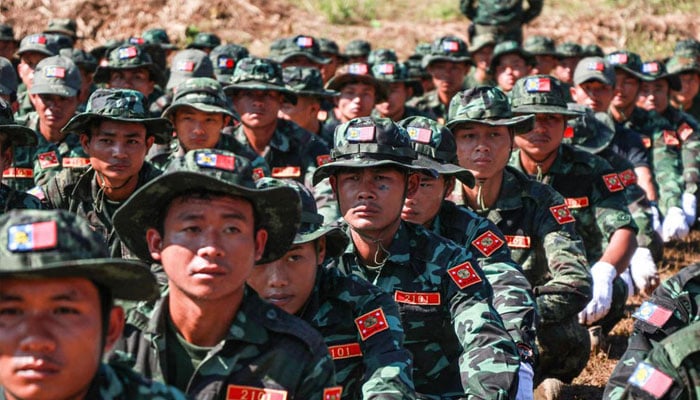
(337, 82)
(546, 109)
(19, 135)
(529, 59)
(207, 108)
(59, 90)
(159, 128)
(429, 59)
(463, 175)
(336, 239)
(103, 72)
(258, 85)
(35, 49)
(630, 71)
(519, 123)
(277, 208)
(326, 170)
(326, 94)
(126, 279)
(674, 81)
(317, 60)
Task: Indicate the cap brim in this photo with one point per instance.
(126, 279)
(338, 81)
(59, 90)
(207, 108)
(519, 123)
(277, 208)
(257, 85)
(19, 135)
(546, 109)
(336, 239)
(326, 170)
(630, 71)
(102, 73)
(36, 49)
(429, 59)
(317, 60)
(159, 128)
(674, 82)
(463, 175)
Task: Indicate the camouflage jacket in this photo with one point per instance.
(470, 80)
(25, 104)
(512, 293)
(10, 199)
(407, 112)
(266, 351)
(458, 341)
(113, 382)
(294, 153)
(594, 194)
(328, 128)
(429, 104)
(694, 109)
(35, 165)
(77, 190)
(377, 365)
(673, 305)
(499, 12)
(543, 240)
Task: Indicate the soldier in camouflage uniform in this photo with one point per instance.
(672, 307)
(60, 285)
(503, 19)
(448, 62)
(544, 51)
(357, 51)
(329, 49)
(513, 298)
(414, 62)
(509, 63)
(32, 49)
(401, 88)
(481, 49)
(688, 97)
(8, 81)
(8, 43)
(87, 64)
(568, 56)
(186, 64)
(444, 299)
(115, 132)
(334, 304)
(298, 51)
(307, 85)
(224, 58)
(55, 96)
(210, 334)
(537, 225)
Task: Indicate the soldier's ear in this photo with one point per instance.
(155, 243)
(114, 328)
(412, 184)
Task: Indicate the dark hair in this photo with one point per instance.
(106, 305)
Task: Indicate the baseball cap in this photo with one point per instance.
(306, 81)
(276, 209)
(254, 73)
(509, 47)
(38, 43)
(626, 61)
(61, 244)
(540, 94)
(224, 58)
(128, 56)
(189, 63)
(594, 69)
(56, 75)
(357, 73)
(486, 105)
(391, 71)
(656, 70)
(8, 77)
(123, 105)
(447, 48)
(203, 94)
(17, 135)
(300, 45)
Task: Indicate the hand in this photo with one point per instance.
(674, 225)
(525, 377)
(656, 219)
(603, 274)
(690, 203)
(643, 271)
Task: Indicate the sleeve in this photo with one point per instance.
(611, 212)
(534, 9)
(668, 169)
(52, 194)
(319, 375)
(690, 156)
(468, 9)
(317, 154)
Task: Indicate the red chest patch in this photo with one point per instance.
(417, 298)
(332, 393)
(671, 138)
(323, 159)
(286, 172)
(684, 131)
(341, 351)
(238, 392)
(518, 242)
(576, 202)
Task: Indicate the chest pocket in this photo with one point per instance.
(423, 323)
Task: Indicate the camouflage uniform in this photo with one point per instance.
(503, 19)
(672, 307)
(37, 43)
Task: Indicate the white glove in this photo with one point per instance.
(603, 274)
(656, 219)
(627, 278)
(690, 203)
(525, 377)
(644, 272)
(674, 226)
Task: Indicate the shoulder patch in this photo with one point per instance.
(650, 380)
(613, 183)
(646, 141)
(75, 162)
(348, 350)
(48, 160)
(562, 214)
(671, 138)
(238, 392)
(684, 131)
(464, 275)
(518, 241)
(14, 172)
(290, 171)
(487, 243)
(628, 177)
(323, 159)
(577, 202)
(332, 393)
(653, 314)
(371, 323)
(258, 174)
(32, 237)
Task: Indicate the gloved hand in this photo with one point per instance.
(674, 225)
(643, 271)
(525, 377)
(656, 219)
(690, 203)
(627, 278)
(603, 274)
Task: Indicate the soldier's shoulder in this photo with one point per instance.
(19, 200)
(424, 101)
(585, 162)
(134, 386)
(429, 247)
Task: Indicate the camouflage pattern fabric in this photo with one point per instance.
(429, 105)
(10, 199)
(492, 12)
(265, 350)
(672, 306)
(458, 341)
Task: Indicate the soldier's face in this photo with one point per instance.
(482, 58)
(303, 113)
(448, 77)
(690, 86)
(328, 70)
(26, 66)
(565, 69)
(594, 94)
(197, 129)
(395, 104)
(54, 111)
(545, 64)
(117, 150)
(258, 108)
(510, 68)
(626, 90)
(653, 96)
(138, 79)
(422, 206)
(544, 139)
(483, 149)
(208, 247)
(289, 281)
(356, 100)
(7, 49)
(51, 337)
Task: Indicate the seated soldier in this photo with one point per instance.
(307, 85)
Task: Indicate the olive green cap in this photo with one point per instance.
(687, 48)
(391, 71)
(382, 55)
(357, 73)
(38, 43)
(56, 75)
(594, 69)
(7, 33)
(435, 147)
(486, 105)
(254, 73)
(60, 244)
(301, 45)
(328, 46)
(447, 48)
(592, 50)
(204, 40)
(656, 70)
(478, 42)
(509, 47)
(128, 57)
(569, 49)
(17, 135)
(8, 77)
(626, 61)
(357, 48)
(540, 46)
(65, 26)
(306, 81)
(540, 94)
(210, 170)
(679, 64)
(81, 58)
(203, 94)
(593, 132)
(224, 58)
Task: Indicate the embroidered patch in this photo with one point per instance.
(613, 182)
(332, 393)
(569, 132)
(618, 59)
(653, 314)
(596, 66)
(48, 160)
(213, 160)
(32, 237)
(487, 243)
(185, 66)
(538, 85)
(258, 174)
(289, 171)
(464, 275)
(562, 214)
(305, 41)
(650, 380)
(671, 138)
(417, 298)
(576, 202)
(18, 173)
(226, 63)
(518, 242)
(238, 392)
(650, 67)
(341, 351)
(371, 323)
(646, 141)
(323, 159)
(127, 52)
(386, 68)
(55, 72)
(360, 134)
(75, 162)
(450, 46)
(684, 131)
(358, 69)
(628, 177)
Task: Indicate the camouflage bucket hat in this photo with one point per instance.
(594, 69)
(56, 75)
(17, 135)
(224, 58)
(204, 40)
(382, 56)
(436, 148)
(358, 73)
(38, 43)
(189, 63)
(478, 42)
(681, 64)
(592, 131)
(414, 64)
(592, 50)
(656, 70)
(8, 77)
(357, 48)
(447, 48)
(540, 94)
(306, 81)
(61, 41)
(64, 26)
(509, 47)
(486, 105)
(7, 33)
(203, 94)
(540, 46)
(128, 57)
(368, 142)
(687, 48)
(81, 58)
(328, 46)
(298, 46)
(311, 226)
(254, 73)
(158, 36)
(569, 49)
(626, 61)
(61, 244)
(209, 170)
(391, 72)
(123, 105)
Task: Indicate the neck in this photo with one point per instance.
(50, 134)
(397, 115)
(530, 165)
(490, 189)
(445, 97)
(621, 114)
(480, 75)
(201, 322)
(259, 138)
(682, 105)
(367, 243)
(312, 126)
(117, 190)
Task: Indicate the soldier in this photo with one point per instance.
(63, 26)
(537, 225)
(306, 283)
(115, 132)
(210, 335)
(416, 69)
(401, 88)
(186, 64)
(205, 41)
(504, 20)
(513, 297)
(688, 97)
(307, 85)
(438, 285)
(672, 308)
(87, 64)
(8, 43)
(298, 51)
(510, 63)
(329, 49)
(58, 314)
(568, 56)
(32, 49)
(8, 82)
(481, 49)
(545, 53)
(448, 62)
(224, 58)
(54, 95)
(357, 51)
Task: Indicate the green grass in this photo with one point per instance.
(345, 12)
